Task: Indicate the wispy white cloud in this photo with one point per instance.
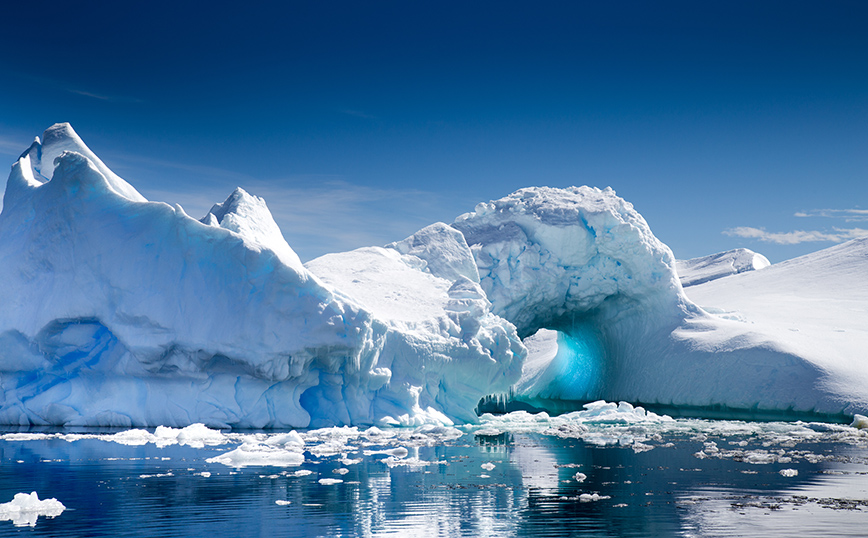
(849, 215)
(11, 148)
(106, 98)
(837, 235)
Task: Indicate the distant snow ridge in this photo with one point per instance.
(116, 311)
(707, 268)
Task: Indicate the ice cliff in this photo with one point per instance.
(119, 311)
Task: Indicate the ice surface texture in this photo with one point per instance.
(123, 312)
(119, 311)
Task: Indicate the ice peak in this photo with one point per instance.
(60, 138)
(235, 204)
(249, 217)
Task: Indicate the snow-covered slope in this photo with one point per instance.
(706, 268)
(119, 311)
(813, 308)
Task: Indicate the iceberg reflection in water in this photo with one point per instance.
(607, 471)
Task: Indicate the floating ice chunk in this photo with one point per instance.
(195, 435)
(592, 497)
(789, 472)
(286, 439)
(414, 462)
(488, 466)
(398, 452)
(860, 422)
(580, 477)
(256, 454)
(24, 509)
(281, 502)
(330, 481)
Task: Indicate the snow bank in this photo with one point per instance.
(707, 268)
(23, 510)
(810, 310)
(116, 311)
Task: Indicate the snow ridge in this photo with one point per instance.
(707, 268)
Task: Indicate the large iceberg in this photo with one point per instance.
(119, 311)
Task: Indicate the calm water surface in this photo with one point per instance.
(699, 480)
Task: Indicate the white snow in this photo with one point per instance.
(805, 323)
(24, 509)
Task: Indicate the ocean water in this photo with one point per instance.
(612, 473)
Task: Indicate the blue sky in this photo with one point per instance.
(726, 124)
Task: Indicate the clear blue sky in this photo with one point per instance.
(360, 122)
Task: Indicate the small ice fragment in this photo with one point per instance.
(205, 474)
(487, 466)
(330, 481)
(23, 510)
(281, 502)
(488, 432)
(484, 476)
(399, 452)
(341, 471)
(860, 422)
(789, 472)
(581, 477)
(302, 472)
(591, 497)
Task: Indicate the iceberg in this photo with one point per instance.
(119, 311)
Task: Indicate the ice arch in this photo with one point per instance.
(582, 261)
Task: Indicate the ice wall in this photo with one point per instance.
(119, 311)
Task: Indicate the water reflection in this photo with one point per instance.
(507, 484)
